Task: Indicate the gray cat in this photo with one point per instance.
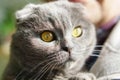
(52, 42)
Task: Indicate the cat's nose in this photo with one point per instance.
(65, 49)
(65, 46)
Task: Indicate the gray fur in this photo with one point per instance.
(29, 54)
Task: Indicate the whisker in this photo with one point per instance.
(42, 63)
(99, 45)
(83, 49)
(88, 47)
(32, 70)
(95, 55)
(42, 70)
(50, 73)
(50, 56)
(45, 70)
(46, 66)
(18, 74)
(97, 50)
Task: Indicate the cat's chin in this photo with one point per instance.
(69, 63)
(72, 67)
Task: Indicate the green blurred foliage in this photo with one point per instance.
(7, 24)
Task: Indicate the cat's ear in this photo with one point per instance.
(24, 13)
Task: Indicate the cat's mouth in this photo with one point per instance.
(59, 59)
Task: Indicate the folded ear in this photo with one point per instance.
(25, 12)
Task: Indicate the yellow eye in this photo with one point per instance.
(77, 32)
(47, 36)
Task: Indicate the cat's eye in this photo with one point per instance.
(47, 36)
(77, 32)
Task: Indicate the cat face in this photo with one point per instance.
(53, 34)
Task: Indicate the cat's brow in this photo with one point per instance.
(57, 28)
(51, 21)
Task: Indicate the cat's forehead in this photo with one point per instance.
(51, 15)
(37, 8)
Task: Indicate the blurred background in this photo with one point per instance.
(7, 26)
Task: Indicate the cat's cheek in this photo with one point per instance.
(77, 57)
(76, 54)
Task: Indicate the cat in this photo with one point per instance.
(52, 42)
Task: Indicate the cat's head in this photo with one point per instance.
(52, 34)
